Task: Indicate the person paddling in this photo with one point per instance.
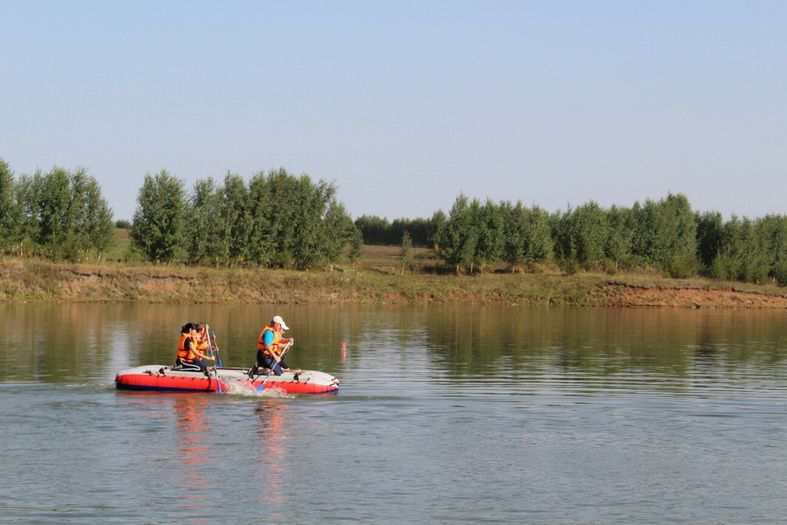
(271, 346)
(189, 356)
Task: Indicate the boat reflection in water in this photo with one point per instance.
(192, 433)
(273, 435)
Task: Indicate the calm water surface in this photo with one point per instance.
(445, 415)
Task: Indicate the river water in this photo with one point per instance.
(444, 415)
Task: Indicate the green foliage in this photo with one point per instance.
(582, 235)
(527, 236)
(489, 223)
(515, 225)
(90, 216)
(380, 231)
(710, 226)
(620, 238)
(458, 238)
(437, 222)
(375, 230)
(236, 218)
(405, 254)
(61, 215)
(356, 245)
(780, 272)
(338, 231)
(10, 214)
(744, 252)
(538, 241)
(261, 206)
(666, 233)
(206, 228)
(159, 227)
(295, 221)
(773, 229)
(309, 244)
(589, 231)
(282, 220)
(123, 224)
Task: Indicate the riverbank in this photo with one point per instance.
(34, 280)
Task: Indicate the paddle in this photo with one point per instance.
(218, 355)
(215, 359)
(281, 355)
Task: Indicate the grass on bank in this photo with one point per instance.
(376, 278)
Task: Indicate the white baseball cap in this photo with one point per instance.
(278, 320)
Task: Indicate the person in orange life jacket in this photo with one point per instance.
(203, 344)
(271, 344)
(189, 356)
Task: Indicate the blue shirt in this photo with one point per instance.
(268, 337)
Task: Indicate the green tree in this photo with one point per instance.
(436, 222)
(515, 224)
(53, 197)
(90, 215)
(582, 235)
(538, 241)
(620, 236)
(373, 228)
(261, 207)
(590, 230)
(206, 224)
(743, 255)
(312, 203)
(236, 218)
(338, 230)
(10, 214)
(666, 235)
(159, 224)
(773, 229)
(459, 236)
(405, 253)
(710, 235)
(356, 246)
(489, 222)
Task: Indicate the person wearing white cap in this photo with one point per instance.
(271, 346)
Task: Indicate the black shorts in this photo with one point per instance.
(266, 361)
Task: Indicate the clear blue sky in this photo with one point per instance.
(405, 104)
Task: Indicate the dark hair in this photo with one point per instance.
(186, 328)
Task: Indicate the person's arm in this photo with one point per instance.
(273, 352)
(197, 353)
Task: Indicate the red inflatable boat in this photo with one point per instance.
(159, 377)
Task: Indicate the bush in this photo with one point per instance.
(568, 265)
(681, 266)
(780, 273)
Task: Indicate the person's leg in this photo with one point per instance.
(203, 366)
(187, 366)
(269, 363)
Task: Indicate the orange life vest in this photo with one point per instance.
(261, 344)
(202, 346)
(184, 352)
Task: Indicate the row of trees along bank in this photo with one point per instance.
(59, 215)
(276, 219)
(665, 234)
